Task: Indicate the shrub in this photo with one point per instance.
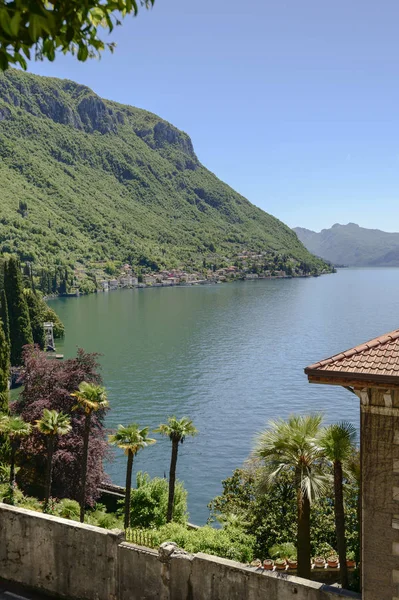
(101, 518)
(284, 550)
(149, 502)
(68, 509)
(230, 542)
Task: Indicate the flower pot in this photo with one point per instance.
(351, 564)
(280, 564)
(256, 563)
(292, 564)
(319, 562)
(332, 562)
(268, 564)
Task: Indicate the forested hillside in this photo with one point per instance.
(85, 180)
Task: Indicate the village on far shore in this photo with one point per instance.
(246, 266)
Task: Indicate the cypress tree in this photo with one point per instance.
(18, 313)
(4, 315)
(36, 318)
(4, 369)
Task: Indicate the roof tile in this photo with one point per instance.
(379, 356)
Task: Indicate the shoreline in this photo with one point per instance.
(142, 286)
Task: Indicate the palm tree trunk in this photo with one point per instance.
(128, 488)
(49, 471)
(303, 540)
(12, 471)
(340, 522)
(172, 480)
(84, 466)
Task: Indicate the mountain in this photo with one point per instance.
(85, 179)
(352, 245)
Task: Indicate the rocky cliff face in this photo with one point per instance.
(77, 106)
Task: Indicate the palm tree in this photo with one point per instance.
(51, 424)
(91, 398)
(293, 446)
(131, 439)
(14, 428)
(176, 430)
(338, 443)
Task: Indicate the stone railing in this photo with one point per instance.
(76, 561)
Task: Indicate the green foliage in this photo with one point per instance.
(18, 313)
(4, 369)
(285, 550)
(49, 315)
(4, 312)
(35, 318)
(149, 502)
(68, 509)
(106, 182)
(229, 543)
(271, 516)
(66, 25)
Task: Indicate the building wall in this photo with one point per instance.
(81, 562)
(380, 494)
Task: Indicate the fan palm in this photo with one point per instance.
(14, 428)
(51, 424)
(293, 446)
(91, 398)
(176, 430)
(131, 439)
(338, 442)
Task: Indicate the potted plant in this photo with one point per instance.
(319, 562)
(350, 560)
(280, 564)
(292, 562)
(332, 561)
(268, 564)
(256, 563)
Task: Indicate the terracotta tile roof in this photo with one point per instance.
(379, 356)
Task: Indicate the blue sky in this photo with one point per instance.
(294, 104)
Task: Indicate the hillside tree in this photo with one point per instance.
(18, 312)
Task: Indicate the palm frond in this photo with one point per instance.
(177, 429)
(54, 423)
(131, 438)
(338, 441)
(90, 397)
(292, 445)
(14, 426)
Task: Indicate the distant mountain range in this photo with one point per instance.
(352, 246)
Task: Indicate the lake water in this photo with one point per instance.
(230, 357)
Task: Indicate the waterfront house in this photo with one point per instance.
(113, 284)
(371, 372)
(104, 286)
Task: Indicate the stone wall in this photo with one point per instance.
(74, 561)
(380, 493)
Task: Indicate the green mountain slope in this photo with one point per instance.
(85, 179)
(352, 245)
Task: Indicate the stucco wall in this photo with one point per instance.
(81, 562)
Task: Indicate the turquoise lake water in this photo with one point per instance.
(230, 357)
